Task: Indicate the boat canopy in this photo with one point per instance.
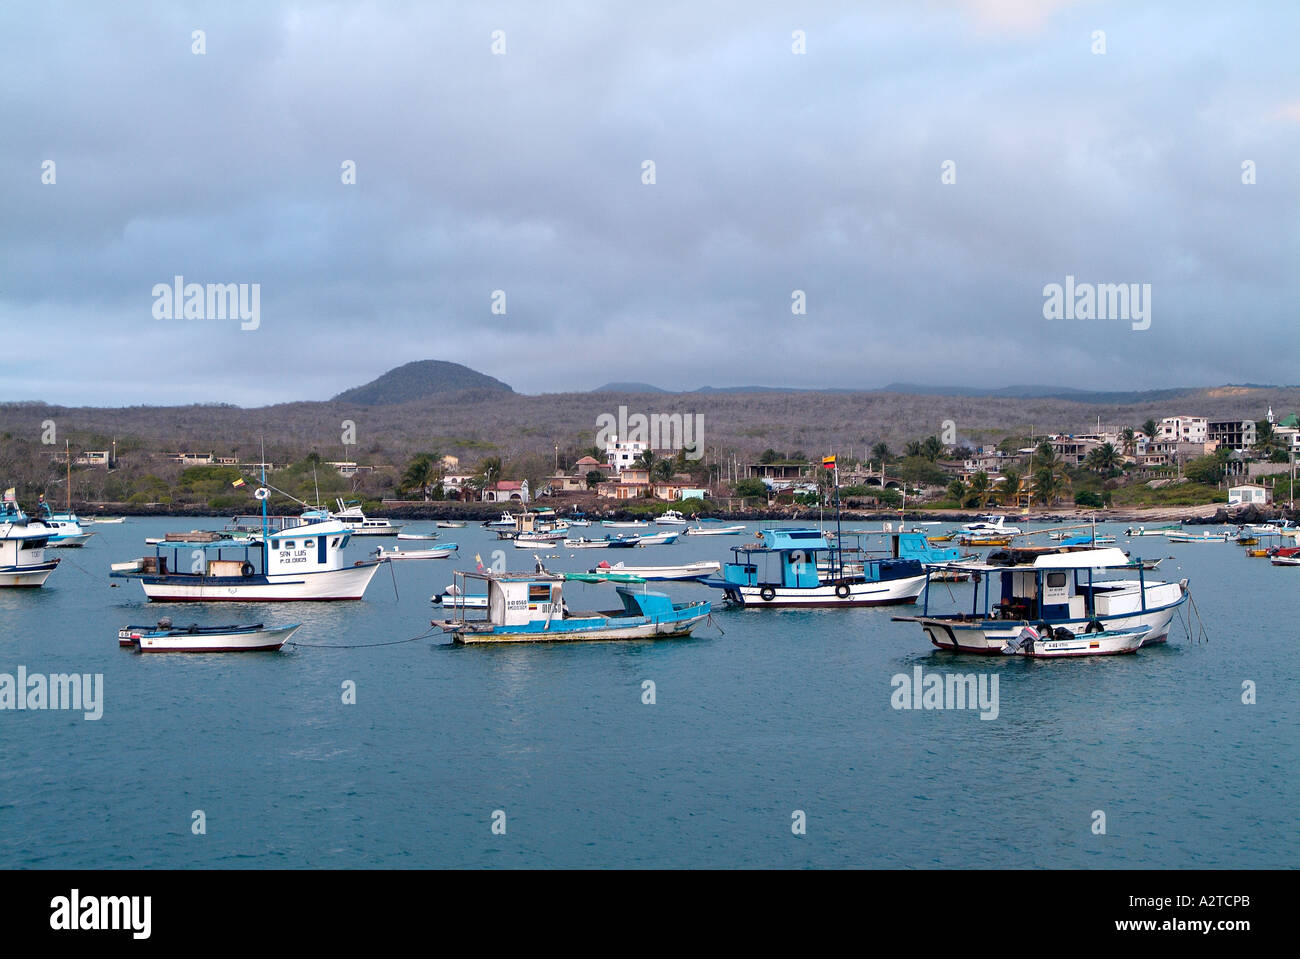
(783, 539)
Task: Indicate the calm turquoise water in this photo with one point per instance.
(778, 711)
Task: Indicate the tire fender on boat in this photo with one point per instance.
(768, 594)
(842, 591)
(246, 570)
(1094, 626)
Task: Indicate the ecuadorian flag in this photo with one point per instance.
(238, 483)
(829, 461)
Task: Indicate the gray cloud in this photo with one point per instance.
(521, 172)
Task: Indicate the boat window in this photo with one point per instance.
(538, 593)
(288, 544)
(308, 543)
(335, 542)
(1055, 580)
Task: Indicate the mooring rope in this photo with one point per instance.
(396, 642)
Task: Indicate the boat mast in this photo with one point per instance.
(265, 568)
(68, 452)
(839, 533)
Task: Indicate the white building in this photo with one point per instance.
(620, 456)
(1247, 493)
(1184, 429)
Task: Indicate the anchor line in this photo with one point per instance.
(710, 622)
(396, 642)
(1192, 608)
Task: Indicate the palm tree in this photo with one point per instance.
(1150, 429)
(881, 452)
(663, 469)
(645, 460)
(932, 448)
(912, 449)
(980, 492)
(1008, 493)
(1128, 437)
(421, 474)
(957, 491)
(1051, 476)
(1104, 459)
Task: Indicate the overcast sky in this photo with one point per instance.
(522, 172)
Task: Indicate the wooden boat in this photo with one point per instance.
(1061, 642)
(436, 552)
(164, 638)
(1257, 551)
(530, 608)
(980, 539)
(685, 571)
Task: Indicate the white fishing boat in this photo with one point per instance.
(579, 522)
(715, 531)
(671, 517)
(1158, 531)
(103, 520)
(1206, 537)
(436, 552)
(625, 524)
(537, 542)
(417, 536)
(164, 638)
(684, 571)
(585, 543)
(351, 516)
(451, 524)
(507, 521)
(1069, 590)
(302, 563)
(993, 523)
(666, 538)
(1061, 643)
(22, 551)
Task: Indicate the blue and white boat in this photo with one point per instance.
(1051, 591)
(65, 528)
(799, 567)
(531, 608)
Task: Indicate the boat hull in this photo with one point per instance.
(612, 630)
(890, 592)
(262, 640)
(990, 637)
(27, 577)
(75, 541)
(1082, 644)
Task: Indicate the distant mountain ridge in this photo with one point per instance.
(418, 380)
(1019, 392)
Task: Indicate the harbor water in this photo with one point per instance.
(769, 739)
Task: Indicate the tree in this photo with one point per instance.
(932, 448)
(1008, 493)
(645, 459)
(421, 475)
(594, 479)
(1087, 497)
(663, 470)
(957, 491)
(771, 456)
(1204, 469)
(1104, 459)
(1051, 475)
(980, 491)
(1264, 435)
(912, 449)
(750, 487)
(1150, 429)
(1128, 438)
(881, 452)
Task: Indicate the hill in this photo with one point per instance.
(419, 380)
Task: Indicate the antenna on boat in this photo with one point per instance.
(264, 499)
